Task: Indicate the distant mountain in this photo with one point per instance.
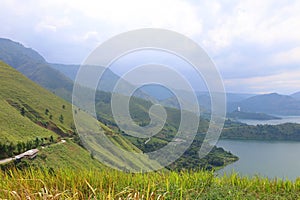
(296, 95)
(34, 66)
(204, 99)
(269, 103)
(236, 97)
(107, 81)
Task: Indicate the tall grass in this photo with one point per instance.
(111, 184)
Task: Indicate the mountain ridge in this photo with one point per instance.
(30, 63)
(272, 103)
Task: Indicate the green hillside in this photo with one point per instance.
(34, 66)
(66, 155)
(28, 112)
(286, 131)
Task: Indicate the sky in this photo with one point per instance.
(254, 44)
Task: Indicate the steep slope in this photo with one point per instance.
(39, 112)
(28, 110)
(33, 65)
(107, 81)
(269, 103)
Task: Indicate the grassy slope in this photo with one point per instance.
(14, 127)
(66, 155)
(17, 92)
(23, 93)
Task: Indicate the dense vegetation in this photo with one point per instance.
(287, 131)
(64, 183)
(11, 149)
(139, 112)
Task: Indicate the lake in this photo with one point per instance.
(264, 158)
(285, 119)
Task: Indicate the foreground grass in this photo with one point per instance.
(111, 184)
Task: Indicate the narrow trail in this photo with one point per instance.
(6, 160)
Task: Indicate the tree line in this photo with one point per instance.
(10, 149)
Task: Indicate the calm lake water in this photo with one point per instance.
(285, 119)
(269, 159)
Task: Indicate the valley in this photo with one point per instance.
(36, 112)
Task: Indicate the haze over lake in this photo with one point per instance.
(284, 119)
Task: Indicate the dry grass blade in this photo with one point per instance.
(93, 190)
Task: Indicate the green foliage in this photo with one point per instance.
(46, 111)
(139, 112)
(23, 111)
(61, 119)
(287, 131)
(66, 183)
(10, 149)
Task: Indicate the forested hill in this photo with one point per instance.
(287, 131)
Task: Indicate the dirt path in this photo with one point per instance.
(6, 160)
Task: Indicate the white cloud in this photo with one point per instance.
(291, 56)
(285, 82)
(265, 23)
(51, 23)
(253, 39)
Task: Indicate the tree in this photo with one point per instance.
(23, 111)
(73, 127)
(37, 142)
(51, 139)
(63, 107)
(50, 117)
(29, 145)
(61, 119)
(19, 147)
(46, 111)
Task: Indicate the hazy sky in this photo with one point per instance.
(255, 44)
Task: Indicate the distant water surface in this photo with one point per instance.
(284, 119)
(270, 159)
